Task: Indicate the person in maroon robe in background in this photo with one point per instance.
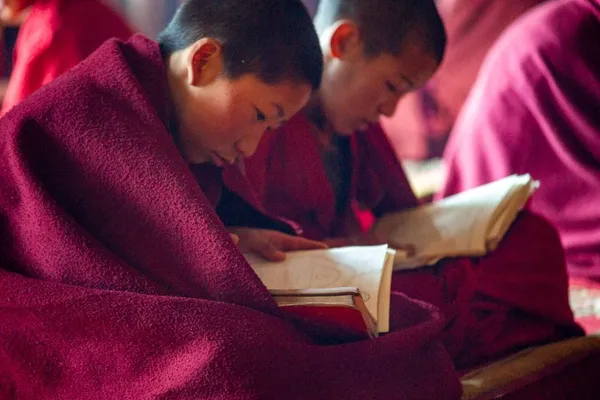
(117, 279)
(10, 28)
(535, 109)
(55, 36)
(422, 121)
(328, 167)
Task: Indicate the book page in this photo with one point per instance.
(457, 225)
(504, 219)
(385, 292)
(359, 267)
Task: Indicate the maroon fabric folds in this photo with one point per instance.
(515, 297)
(534, 109)
(117, 279)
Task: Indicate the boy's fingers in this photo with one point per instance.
(338, 242)
(409, 249)
(270, 252)
(272, 245)
(234, 238)
(291, 243)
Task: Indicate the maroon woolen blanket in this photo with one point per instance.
(117, 280)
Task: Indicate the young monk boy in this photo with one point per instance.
(117, 278)
(331, 162)
(55, 36)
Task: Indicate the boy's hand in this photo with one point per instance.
(269, 244)
(234, 238)
(370, 239)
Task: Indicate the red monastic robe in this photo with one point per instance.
(57, 35)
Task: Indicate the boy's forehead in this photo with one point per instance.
(414, 64)
(419, 71)
(280, 98)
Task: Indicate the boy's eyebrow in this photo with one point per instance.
(280, 111)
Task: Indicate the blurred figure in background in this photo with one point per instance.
(55, 36)
(535, 109)
(420, 126)
(311, 6)
(9, 28)
(149, 17)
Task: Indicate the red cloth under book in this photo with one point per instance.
(117, 279)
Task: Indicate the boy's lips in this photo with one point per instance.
(216, 159)
(219, 160)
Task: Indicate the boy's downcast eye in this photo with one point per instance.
(391, 87)
(260, 116)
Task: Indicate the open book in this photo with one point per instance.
(347, 287)
(470, 223)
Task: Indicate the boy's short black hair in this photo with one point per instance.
(272, 39)
(384, 25)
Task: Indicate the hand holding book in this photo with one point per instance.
(471, 223)
(372, 239)
(270, 245)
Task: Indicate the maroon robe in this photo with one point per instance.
(117, 279)
(487, 300)
(289, 179)
(535, 109)
(56, 35)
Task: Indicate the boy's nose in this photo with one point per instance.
(247, 146)
(387, 109)
(388, 106)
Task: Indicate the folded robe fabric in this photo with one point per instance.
(117, 279)
(534, 109)
(56, 35)
(487, 301)
(510, 299)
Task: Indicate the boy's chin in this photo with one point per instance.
(345, 129)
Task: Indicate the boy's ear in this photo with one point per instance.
(204, 62)
(345, 40)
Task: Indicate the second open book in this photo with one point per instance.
(471, 223)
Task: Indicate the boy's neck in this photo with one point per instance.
(323, 130)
